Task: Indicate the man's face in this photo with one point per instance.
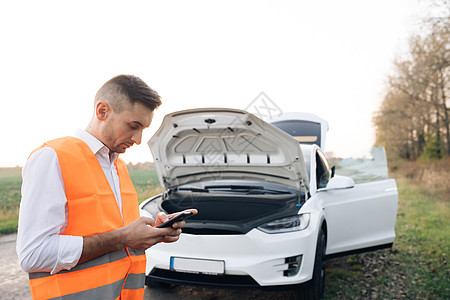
(123, 130)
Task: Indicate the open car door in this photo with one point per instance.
(360, 218)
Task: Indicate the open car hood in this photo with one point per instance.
(225, 144)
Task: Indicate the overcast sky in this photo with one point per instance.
(329, 58)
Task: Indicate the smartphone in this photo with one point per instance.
(177, 218)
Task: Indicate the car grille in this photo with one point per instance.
(210, 231)
(202, 279)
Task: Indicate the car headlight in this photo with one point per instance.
(295, 223)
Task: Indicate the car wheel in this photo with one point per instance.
(314, 288)
(156, 284)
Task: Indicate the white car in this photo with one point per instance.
(270, 209)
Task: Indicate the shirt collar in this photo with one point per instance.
(94, 144)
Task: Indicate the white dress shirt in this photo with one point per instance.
(43, 209)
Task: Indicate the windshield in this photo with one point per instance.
(305, 132)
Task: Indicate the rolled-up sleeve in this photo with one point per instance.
(43, 217)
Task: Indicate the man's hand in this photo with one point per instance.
(162, 217)
(140, 234)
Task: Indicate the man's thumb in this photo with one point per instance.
(148, 221)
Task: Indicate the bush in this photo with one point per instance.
(432, 150)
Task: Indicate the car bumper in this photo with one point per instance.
(253, 259)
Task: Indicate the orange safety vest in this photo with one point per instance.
(92, 209)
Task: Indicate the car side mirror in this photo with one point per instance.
(333, 171)
(340, 182)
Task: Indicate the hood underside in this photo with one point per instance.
(216, 144)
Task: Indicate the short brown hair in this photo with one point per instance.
(130, 87)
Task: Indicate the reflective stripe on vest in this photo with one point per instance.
(110, 291)
(92, 209)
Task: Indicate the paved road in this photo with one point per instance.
(14, 283)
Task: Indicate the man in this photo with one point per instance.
(80, 235)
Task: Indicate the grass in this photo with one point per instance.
(8, 225)
(10, 183)
(146, 183)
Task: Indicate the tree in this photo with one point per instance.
(414, 114)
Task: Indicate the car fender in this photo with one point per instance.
(317, 220)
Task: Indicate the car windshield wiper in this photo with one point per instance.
(234, 187)
(192, 189)
(252, 189)
(249, 189)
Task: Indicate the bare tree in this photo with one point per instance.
(415, 110)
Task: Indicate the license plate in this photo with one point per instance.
(198, 266)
